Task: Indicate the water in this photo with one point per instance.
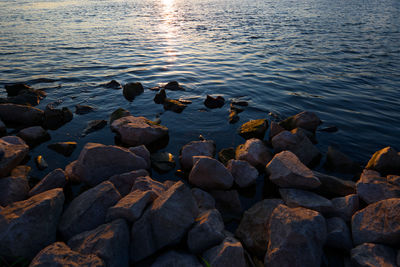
(340, 59)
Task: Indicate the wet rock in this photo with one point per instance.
(206, 232)
(13, 114)
(334, 185)
(142, 152)
(3, 129)
(203, 199)
(160, 97)
(300, 198)
(135, 131)
(113, 85)
(176, 259)
(16, 89)
(83, 109)
(30, 225)
(185, 101)
(124, 182)
(226, 154)
(173, 105)
(163, 161)
(339, 235)
(55, 179)
(229, 253)
(64, 148)
(254, 152)
(253, 129)
(164, 223)
(240, 103)
(286, 170)
(214, 102)
(23, 94)
(296, 237)
(209, 173)
(306, 120)
(13, 151)
(59, 254)
(345, 207)
(88, 210)
(131, 90)
(385, 161)
(15, 187)
(369, 254)
(233, 117)
(275, 129)
(109, 242)
(34, 135)
(41, 163)
(94, 126)
(118, 113)
(55, 118)
(243, 173)
(195, 148)
(253, 228)
(147, 184)
(228, 203)
(233, 108)
(173, 86)
(338, 162)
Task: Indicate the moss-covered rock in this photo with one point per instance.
(253, 129)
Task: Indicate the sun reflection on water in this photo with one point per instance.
(169, 30)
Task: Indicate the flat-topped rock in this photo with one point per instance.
(253, 129)
(21, 115)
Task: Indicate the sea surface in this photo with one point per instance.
(340, 59)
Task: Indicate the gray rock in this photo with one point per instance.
(209, 173)
(207, 231)
(275, 129)
(55, 179)
(15, 187)
(228, 203)
(88, 210)
(229, 253)
(254, 152)
(195, 148)
(145, 183)
(13, 151)
(345, 207)
(369, 255)
(176, 259)
(244, 174)
(286, 170)
(253, 228)
(306, 120)
(332, 185)
(338, 162)
(30, 225)
(21, 115)
(109, 242)
(34, 135)
(203, 199)
(124, 182)
(301, 198)
(385, 161)
(378, 223)
(253, 129)
(142, 152)
(339, 235)
(296, 237)
(59, 254)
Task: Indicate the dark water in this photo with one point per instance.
(340, 59)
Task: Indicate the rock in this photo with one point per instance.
(173, 86)
(142, 152)
(145, 183)
(253, 228)
(30, 225)
(88, 210)
(64, 148)
(96, 163)
(233, 117)
(3, 129)
(339, 235)
(93, 126)
(226, 154)
(345, 207)
(23, 94)
(243, 173)
(240, 103)
(185, 101)
(34, 135)
(83, 109)
(135, 131)
(233, 108)
(195, 148)
(17, 88)
(119, 113)
(209, 173)
(14, 150)
(334, 185)
(15, 187)
(113, 85)
(385, 161)
(275, 129)
(176, 259)
(55, 118)
(55, 179)
(286, 170)
(300, 198)
(229, 253)
(173, 105)
(59, 254)
(164, 223)
(160, 97)
(109, 242)
(338, 162)
(372, 187)
(253, 129)
(131, 90)
(162, 161)
(228, 203)
(254, 152)
(124, 182)
(369, 255)
(13, 114)
(296, 237)
(203, 199)
(214, 102)
(41, 164)
(377, 223)
(306, 120)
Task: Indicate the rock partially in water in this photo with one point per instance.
(93, 126)
(173, 105)
(385, 161)
(226, 154)
(306, 120)
(195, 148)
(13, 150)
(233, 117)
(118, 113)
(255, 152)
(253, 129)
(173, 86)
(41, 163)
(15, 187)
(113, 84)
(23, 94)
(20, 115)
(245, 175)
(229, 253)
(214, 102)
(16, 89)
(160, 97)
(55, 118)
(131, 90)
(55, 179)
(240, 103)
(83, 109)
(369, 254)
(339, 235)
(300, 198)
(64, 148)
(34, 135)
(163, 161)
(338, 162)
(175, 259)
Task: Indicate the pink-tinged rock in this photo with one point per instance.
(142, 152)
(254, 152)
(244, 174)
(55, 179)
(195, 148)
(229, 253)
(124, 182)
(369, 255)
(15, 187)
(306, 120)
(301, 198)
(13, 150)
(145, 183)
(34, 135)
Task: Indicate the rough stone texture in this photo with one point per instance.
(30, 225)
(164, 223)
(385, 161)
(332, 185)
(244, 174)
(229, 253)
(275, 129)
(207, 231)
(195, 148)
(15, 187)
(338, 162)
(176, 259)
(301, 198)
(142, 152)
(286, 170)
(34, 135)
(253, 228)
(306, 120)
(371, 255)
(296, 237)
(136, 131)
(253, 129)
(209, 173)
(88, 210)
(13, 150)
(59, 255)
(109, 241)
(64, 148)
(345, 207)
(55, 179)
(253, 151)
(145, 183)
(21, 115)
(96, 163)
(228, 203)
(203, 199)
(124, 182)
(339, 235)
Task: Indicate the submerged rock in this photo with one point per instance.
(173, 86)
(255, 152)
(163, 161)
(253, 129)
(339, 162)
(14, 150)
(131, 90)
(233, 116)
(113, 84)
(83, 109)
(64, 148)
(173, 105)
(118, 113)
(14, 114)
(214, 102)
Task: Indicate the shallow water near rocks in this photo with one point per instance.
(340, 59)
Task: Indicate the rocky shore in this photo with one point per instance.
(105, 209)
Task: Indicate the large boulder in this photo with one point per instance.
(88, 210)
(254, 151)
(296, 237)
(55, 179)
(54, 118)
(286, 170)
(253, 129)
(339, 235)
(228, 203)
(195, 148)
(30, 225)
(385, 161)
(345, 207)
(142, 152)
(124, 182)
(369, 255)
(243, 173)
(331, 185)
(15, 187)
(306, 120)
(13, 114)
(203, 199)
(176, 259)
(145, 183)
(12, 151)
(229, 253)
(338, 162)
(34, 135)
(306, 199)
